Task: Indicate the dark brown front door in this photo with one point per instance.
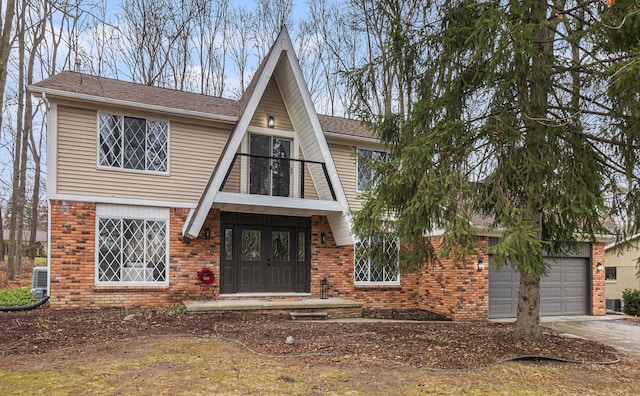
(261, 258)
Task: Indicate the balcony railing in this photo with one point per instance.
(275, 176)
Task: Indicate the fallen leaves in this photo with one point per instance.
(441, 345)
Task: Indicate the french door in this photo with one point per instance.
(264, 254)
(270, 168)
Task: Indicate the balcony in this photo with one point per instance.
(277, 185)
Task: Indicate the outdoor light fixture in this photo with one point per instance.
(271, 121)
(599, 266)
(207, 233)
(324, 286)
(323, 238)
(480, 264)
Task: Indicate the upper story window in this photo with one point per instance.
(133, 143)
(366, 157)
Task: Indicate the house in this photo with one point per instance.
(621, 271)
(147, 186)
(41, 240)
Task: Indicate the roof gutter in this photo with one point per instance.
(343, 136)
(48, 92)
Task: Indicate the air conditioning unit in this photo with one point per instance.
(614, 305)
(39, 282)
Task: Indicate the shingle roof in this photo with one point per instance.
(108, 88)
(344, 126)
(102, 87)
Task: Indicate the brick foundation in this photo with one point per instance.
(456, 290)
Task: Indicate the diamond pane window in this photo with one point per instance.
(110, 141)
(131, 251)
(365, 272)
(133, 143)
(157, 137)
(366, 158)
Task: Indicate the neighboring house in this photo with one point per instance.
(147, 186)
(41, 240)
(621, 271)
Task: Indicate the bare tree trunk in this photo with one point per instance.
(35, 151)
(15, 219)
(35, 199)
(2, 252)
(5, 48)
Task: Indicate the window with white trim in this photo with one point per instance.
(131, 251)
(366, 272)
(365, 179)
(611, 274)
(133, 143)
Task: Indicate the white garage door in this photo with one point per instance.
(564, 291)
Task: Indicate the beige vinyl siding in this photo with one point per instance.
(344, 157)
(309, 188)
(626, 269)
(345, 162)
(193, 150)
(272, 104)
(233, 181)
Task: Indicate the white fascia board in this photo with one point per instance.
(134, 105)
(317, 129)
(186, 222)
(120, 201)
(200, 215)
(311, 205)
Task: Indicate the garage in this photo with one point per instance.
(564, 291)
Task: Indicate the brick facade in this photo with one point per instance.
(454, 289)
(72, 261)
(598, 303)
(457, 289)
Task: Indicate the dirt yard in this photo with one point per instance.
(71, 349)
(143, 351)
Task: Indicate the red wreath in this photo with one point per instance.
(206, 276)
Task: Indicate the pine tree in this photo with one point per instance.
(508, 124)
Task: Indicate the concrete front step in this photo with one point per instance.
(334, 307)
(315, 315)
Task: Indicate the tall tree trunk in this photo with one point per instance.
(535, 104)
(2, 252)
(5, 50)
(527, 326)
(35, 150)
(18, 183)
(35, 204)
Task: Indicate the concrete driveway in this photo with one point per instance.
(610, 330)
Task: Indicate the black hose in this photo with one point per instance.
(25, 307)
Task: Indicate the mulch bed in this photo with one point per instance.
(429, 344)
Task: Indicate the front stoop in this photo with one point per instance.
(315, 315)
(332, 307)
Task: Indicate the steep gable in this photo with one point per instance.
(271, 104)
(280, 70)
